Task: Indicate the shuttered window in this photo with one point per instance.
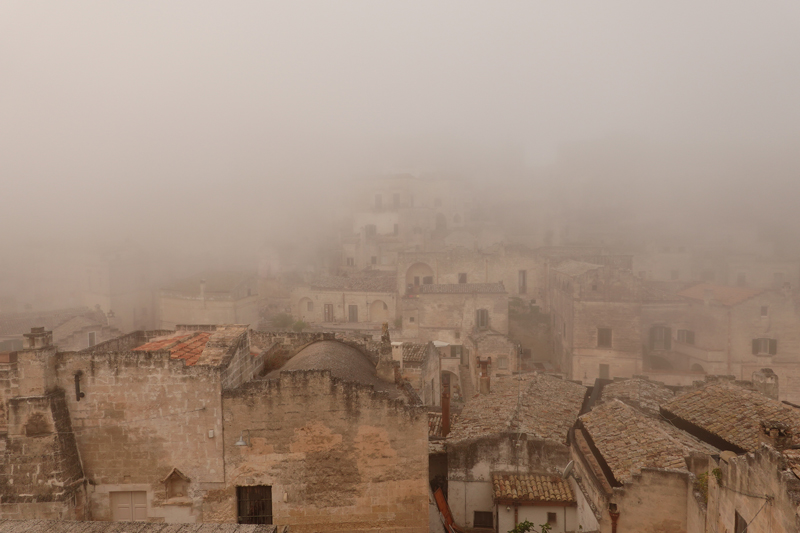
(765, 346)
(254, 504)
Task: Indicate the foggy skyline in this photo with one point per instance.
(171, 122)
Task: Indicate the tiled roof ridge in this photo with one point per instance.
(531, 487)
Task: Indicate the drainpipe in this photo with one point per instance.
(614, 514)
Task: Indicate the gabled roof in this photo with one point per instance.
(629, 441)
(462, 288)
(414, 352)
(726, 295)
(543, 406)
(531, 488)
(643, 394)
(732, 413)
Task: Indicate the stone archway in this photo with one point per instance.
(379, 311)
(419, 274)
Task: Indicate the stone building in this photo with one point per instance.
(83, 331)
(739, 330)
(210, 298)
(362, 301)
(173, 426)
(519, 427)
(606, 322)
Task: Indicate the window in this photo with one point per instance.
(309, 306)
(594, 286)
(378, 201)
(765, 346)
(522, 281)
(686, 336)
(455, 350)
(482, 318)
(328, 309)
(351, 262)
(675, 274)
(352, 311)
(552, 518)
(605, 372)
(457, 334)
(741, 279)
(604, 337)
(128, 506)
(92, 340)
(254, 504)
(374, 260)
(427, 280)
(483, 519)
(764, 310)
(462, 277)
(502, 363)
(660, 338)
(411, 319)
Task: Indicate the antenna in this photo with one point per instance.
(568, 470)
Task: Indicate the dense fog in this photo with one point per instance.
(196, 133)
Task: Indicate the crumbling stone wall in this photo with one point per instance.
(40, 469)
(338, 456)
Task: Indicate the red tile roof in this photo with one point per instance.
(531, 488)
(186, 346)
(723, 294)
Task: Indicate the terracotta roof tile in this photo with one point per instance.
(733, 413)
(189, 346)
(725, 295)
(413, 353)
(642, 394)
(531, 488)
(435, 424)
(536, 404)
(630, 441)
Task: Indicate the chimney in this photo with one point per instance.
(776, 434)
(765, 381)
(445, 405)
(397, 353)
(38, 338)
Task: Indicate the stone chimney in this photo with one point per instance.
(38, 338)
(765, 381)
(776, 434)
(397, 353)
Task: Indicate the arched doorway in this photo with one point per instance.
(419, 274)
(378, 311)
(305, 309)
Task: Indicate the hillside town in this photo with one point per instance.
(439, 365)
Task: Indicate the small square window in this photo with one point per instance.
(351, 262)
(764, 310)
(552, 518)
(502, 363)
(483, 519)
(411, 319)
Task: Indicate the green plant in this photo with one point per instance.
(281, 320)
(299, 326)
(717, 474)
(701, 485)
(527, 526)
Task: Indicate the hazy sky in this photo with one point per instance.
(180, 119)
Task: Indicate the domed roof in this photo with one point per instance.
(343, 362)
